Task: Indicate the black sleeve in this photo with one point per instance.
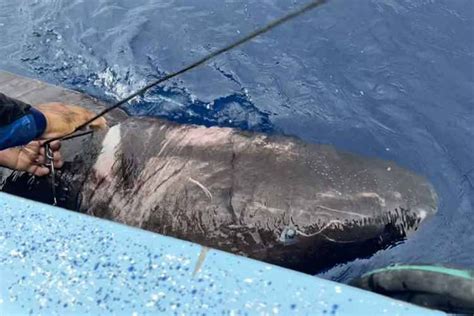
(11, 109)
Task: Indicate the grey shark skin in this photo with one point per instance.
(271, 198)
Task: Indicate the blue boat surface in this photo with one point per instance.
(58, 262)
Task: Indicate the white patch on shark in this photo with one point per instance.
(106, 158)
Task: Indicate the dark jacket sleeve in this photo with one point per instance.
(20, 123)
(12, 109)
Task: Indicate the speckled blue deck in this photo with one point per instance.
(56, 262)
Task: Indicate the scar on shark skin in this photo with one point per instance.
(208, 193)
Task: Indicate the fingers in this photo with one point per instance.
(57, 157)
(32, 151)
(56, 145)
(41, 159)
(57, 160)
(37, 154)
(39, 171)
(31, 158)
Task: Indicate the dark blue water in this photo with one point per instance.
(386, 78)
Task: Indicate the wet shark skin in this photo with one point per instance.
(272, 198)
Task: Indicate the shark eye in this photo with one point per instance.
(290, 233)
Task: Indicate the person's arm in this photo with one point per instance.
(20, 123)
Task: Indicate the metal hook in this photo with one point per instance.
(50, 163)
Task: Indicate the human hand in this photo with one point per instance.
(62, 119)
(31, 158)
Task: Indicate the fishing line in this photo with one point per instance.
(273, 24)
(308, 7)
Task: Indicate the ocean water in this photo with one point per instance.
(392, 79)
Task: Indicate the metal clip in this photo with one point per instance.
(50, 163)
